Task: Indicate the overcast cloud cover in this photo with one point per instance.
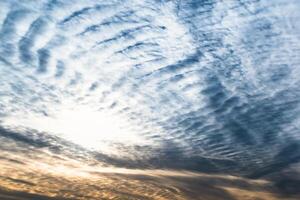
(92, 87)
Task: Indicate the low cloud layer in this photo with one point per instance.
(39, 173)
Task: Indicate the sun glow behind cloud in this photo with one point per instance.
(82, 125)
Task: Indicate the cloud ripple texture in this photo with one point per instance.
(202, 85)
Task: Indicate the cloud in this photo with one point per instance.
(207, 86)
(70, 179)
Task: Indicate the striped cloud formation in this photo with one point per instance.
(208, 87)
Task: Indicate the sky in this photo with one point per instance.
(149, 99)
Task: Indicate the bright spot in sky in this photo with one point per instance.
(84, 126)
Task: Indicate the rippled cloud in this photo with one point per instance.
(205, 86)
